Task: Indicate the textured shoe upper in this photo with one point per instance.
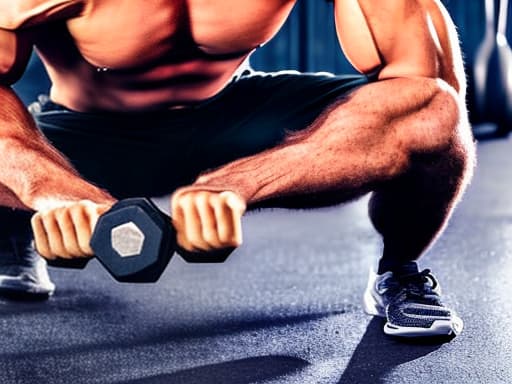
(22, 269)
(411, 298)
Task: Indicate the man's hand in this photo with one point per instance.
(207, 220)
(64, 230)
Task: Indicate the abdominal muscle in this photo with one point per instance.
(153, 54)
(85, 87)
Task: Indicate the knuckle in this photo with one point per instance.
(71, 244)
(214, 199)
(84, 248)
(202, 196)
(61, 214)
(183, 243)
(47, 216)
(43, 251)
(175, 209)
(175, 199)
(75, 209)
(232, 200)
(237, 242)
(195, 238)
(177, 222)
(210, 236)
(225, 196)
(36, 219)
(234, 242)
(47, 255)
(185, 200)
(224, 237)
(96, 210)
(201, 202)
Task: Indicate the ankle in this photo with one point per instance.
(397, 267)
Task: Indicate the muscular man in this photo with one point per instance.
(155, 96)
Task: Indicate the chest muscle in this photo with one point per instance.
(124, 33)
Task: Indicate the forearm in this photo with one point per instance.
(32, 171)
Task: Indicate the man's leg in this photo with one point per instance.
(417, 156)
(406, 139)
(402, 139)
(22, 271)
(411, 211)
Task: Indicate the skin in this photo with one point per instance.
(413, 150)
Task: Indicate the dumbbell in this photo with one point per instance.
(135, 241)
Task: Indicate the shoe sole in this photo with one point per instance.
(17, 295)
(452, 327)
(14, 288)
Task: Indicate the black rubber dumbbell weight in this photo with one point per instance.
(135, 241)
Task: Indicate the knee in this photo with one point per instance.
(442, 131)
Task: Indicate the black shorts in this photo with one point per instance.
(153, 153)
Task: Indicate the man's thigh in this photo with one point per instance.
(153, 153)
(259, 110)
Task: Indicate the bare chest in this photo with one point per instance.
(127, 33)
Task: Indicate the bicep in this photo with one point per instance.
(399, 38)
(15, 49)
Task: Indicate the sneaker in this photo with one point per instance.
(411, 303)
(23, 272)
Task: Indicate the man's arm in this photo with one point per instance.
(365, 139)
(401, 38)
(33, 174)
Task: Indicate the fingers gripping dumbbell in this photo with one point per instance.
(135, 241)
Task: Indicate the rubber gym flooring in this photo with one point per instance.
(285, 308)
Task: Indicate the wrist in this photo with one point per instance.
(47, 194)
(216, 182)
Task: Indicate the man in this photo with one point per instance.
(154, 97)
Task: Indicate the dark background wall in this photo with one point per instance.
(308, 41)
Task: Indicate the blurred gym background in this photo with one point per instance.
(308, 42)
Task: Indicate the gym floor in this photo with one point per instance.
(285, 308)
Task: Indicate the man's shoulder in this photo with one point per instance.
(16, 14)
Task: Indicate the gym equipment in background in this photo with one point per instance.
(493, 71)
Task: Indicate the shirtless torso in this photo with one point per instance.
(110, 54)
(122, 55)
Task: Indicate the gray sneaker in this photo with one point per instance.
(411, 303)
(23, 272)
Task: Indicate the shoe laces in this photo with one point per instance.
(416, 285)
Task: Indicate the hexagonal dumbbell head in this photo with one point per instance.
(134, 241)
